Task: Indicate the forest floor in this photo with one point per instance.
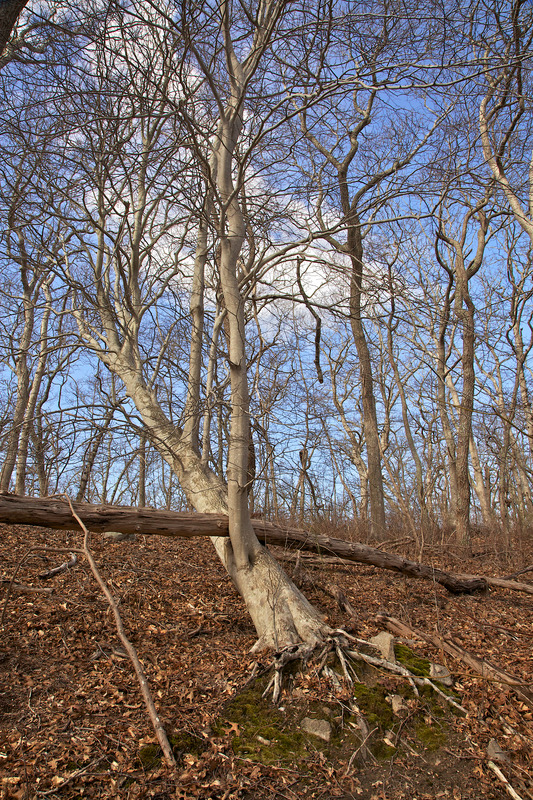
(73, 723)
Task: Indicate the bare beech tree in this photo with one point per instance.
(125, 217)
(198, 162)
(461, 268)
(352, 166)
(505, 111)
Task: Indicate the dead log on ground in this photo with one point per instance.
(503, 583)
(54, 512)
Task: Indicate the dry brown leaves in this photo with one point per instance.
(72, 721)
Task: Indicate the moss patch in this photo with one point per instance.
(381, 750)
(263, 732)
(372, 702)
(431, 736)
(415, 664)
(150, 755)
(185, 742)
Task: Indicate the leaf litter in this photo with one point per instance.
(73, 724)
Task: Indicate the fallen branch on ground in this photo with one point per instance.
(504, 583)
(520, 572)
(497, 771)
(129, 648)
(62, 568)
(23, 588)
(54, 512)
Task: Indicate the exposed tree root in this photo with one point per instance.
(347, 651)
(483, 667)
(288, 655)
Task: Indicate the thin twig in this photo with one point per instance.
(62, 568)
(70, 778)
(362, 747)
(520, 572)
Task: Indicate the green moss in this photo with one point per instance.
(431, 736)
(263, 733)
(437, 710)
(149, 756)
(185, 742)
(371, 700)
(415, 664)
(381, 750)
(282, 748)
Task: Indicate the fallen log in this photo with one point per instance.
(54, 512)
(504, 583)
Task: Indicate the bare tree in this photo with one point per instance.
(353, 166)
(124, 215)
(504, 115)
(196, 160)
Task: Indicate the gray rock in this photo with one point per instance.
(441, 674)
(495, 752)
(385, 644)
(397, 703)
(317, 727)
(116, 536)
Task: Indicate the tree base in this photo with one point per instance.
(282, 615)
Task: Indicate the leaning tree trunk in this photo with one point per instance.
(280, 612)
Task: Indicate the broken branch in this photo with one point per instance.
(62, 568)
(129, 648)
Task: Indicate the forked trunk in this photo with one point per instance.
(280, 612)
